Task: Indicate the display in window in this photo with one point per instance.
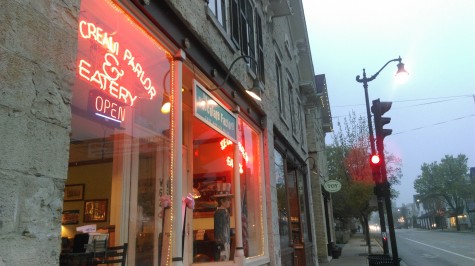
(204, 188)
(222, 235)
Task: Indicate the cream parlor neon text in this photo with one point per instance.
(114, 66)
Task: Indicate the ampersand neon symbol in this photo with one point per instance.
(116, 73)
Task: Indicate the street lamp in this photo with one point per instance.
(166, 105)
(253, 92)
(365, 80)
(314, 168)
(401, 71)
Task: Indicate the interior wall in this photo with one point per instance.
(97, 185)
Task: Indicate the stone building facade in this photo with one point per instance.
(217, 48)
(37, 45)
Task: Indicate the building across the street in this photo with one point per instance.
(137, 122)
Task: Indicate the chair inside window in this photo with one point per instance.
(116, 254)
(79, 242)
(97, 243)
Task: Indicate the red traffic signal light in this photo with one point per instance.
(375, 164)
(375, 160)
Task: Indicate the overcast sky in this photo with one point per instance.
(433, 113)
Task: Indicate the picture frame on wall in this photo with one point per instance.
(70, 217)
(74, 192)
(95, 210)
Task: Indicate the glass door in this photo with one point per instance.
(150, 171)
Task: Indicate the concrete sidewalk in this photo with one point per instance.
(355, 252)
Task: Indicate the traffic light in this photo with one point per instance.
(375, 160)
(375, 164)
(379, 109)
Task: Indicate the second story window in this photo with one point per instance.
(246, 32)
(278, 75)
(246, 16)
(260, 49)
(218, 8)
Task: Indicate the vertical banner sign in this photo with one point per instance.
(213, 113)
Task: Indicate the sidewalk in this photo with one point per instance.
(355, 252)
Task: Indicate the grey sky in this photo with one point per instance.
(433, 113)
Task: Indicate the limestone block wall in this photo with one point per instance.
(37, 62)
(315, 139)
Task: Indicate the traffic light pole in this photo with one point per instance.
(387, 199)
(380, 177)
(379, 108)
(376, 176)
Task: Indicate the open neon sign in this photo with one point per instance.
(104, 106)
(108, 75)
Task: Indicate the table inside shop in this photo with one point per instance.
(74, 251)
(204, 248)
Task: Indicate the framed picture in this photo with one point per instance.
(95, 210)
(74, 192)
(70, 217)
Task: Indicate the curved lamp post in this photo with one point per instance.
(314, 168)
(365, 80)
(252, 91)
(166, 105)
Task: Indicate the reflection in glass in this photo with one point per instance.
(282, 200)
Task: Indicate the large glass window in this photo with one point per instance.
(119, 163)
(251, 190)
(292, 194)
(213, 184)
(282, 200)
(213, 169)
(303, 200)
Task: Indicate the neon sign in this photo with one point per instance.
(229, 161)
(107, 73)
(101, 105)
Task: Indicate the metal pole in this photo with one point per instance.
(387, 198)
(382, 223)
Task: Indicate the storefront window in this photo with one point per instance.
(213, 170)
(304, 215)
(212, 185)
(251, 192)
(120, 140)
(292, 195)
(282, 200)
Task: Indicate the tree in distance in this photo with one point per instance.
(445, 184)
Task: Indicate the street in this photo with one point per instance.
(423, 247)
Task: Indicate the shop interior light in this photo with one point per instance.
(166, 106)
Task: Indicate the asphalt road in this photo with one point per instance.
(421, 247)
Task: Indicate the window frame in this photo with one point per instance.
(218, 9)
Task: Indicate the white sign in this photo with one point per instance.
(332, 186)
